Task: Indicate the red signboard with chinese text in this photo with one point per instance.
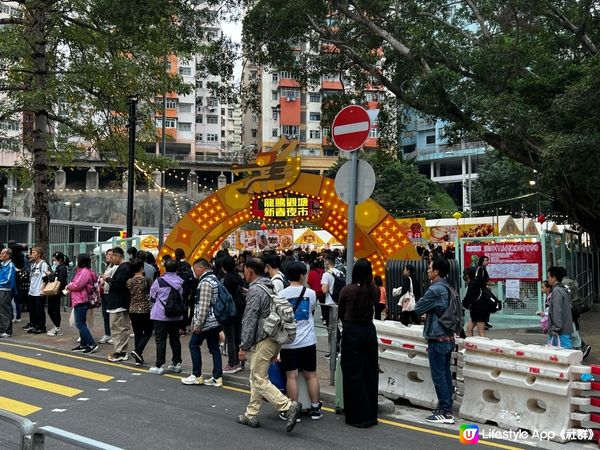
(508, 260)
(285, 208)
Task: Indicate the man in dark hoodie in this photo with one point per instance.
(258, 301)
(117, 305)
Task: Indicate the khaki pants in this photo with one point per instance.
(260, 385)
(119, 330)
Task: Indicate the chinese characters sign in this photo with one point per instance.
(508, 260)
(286, 208)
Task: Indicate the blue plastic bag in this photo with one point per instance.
(277, 376)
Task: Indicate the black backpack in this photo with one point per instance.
(338, 284)
(190, 283)
(453, 318)
(174, 306)
(281, 276)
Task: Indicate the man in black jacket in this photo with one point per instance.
(117, 305)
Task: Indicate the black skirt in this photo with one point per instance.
(361, 373)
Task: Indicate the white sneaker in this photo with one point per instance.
(175, 368)
(55, 332)
(5, 335)
(104, 339)
(193, 379)
(156, 370)
(78, 339)
(218, 382)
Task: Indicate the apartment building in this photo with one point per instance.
(455, 167)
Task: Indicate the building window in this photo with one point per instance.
(9, 125)
(199, 137)
(275, 132)
(253, 131)
(212, 102)
(330, 152)
(314, 116)
(222, 133)
(274, 95)
(185, 126)
(9, 144)
(171, 103)
(315, 134)
(430, 139)
(275, 77)
(372, 96)
(212, 85)
(212, 138)
(185, 71)
(314, 97)
(185, 107)
(285, 74)
(199, 118)
(169, 123)
(212, 119)
(374, 133)
(289, 130)
(275, 115)
(199, 102)
(290, 94)
(199, 84)
(409, 148)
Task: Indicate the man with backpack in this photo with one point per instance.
(205, 327)
(332, 282)
(190, 283)
(258, 308)
(444, 319)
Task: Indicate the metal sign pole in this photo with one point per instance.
(351, 217)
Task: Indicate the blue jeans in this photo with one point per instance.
(565, 341)
(440, 355)
(84, 333)
(212, 340)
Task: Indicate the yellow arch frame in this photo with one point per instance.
(202, 230)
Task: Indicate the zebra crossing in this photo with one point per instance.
(32, 379)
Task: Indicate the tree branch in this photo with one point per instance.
(464, 33)
(579, 32)
(479, 18)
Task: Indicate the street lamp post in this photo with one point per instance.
(71, 205)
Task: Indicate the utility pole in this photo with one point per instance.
(161, 220)
(132, 103)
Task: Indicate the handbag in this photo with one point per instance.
(407, 301)
(277, 376)
(51, 289)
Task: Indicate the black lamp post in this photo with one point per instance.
(71, 205)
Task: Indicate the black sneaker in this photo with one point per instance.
(283, 417)
(586, 350)
(440, 417)
(315, 412)
(39, 331)
(90, 349)
(28, 327)
(138, 358)
(79, 348)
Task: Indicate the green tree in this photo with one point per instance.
(521, 75)
(505, 183)
(400, 187)
(69, 66)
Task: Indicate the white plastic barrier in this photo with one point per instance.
(523, 386)
(404, 364)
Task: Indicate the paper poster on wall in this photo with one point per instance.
(508, 260)
(513, 288)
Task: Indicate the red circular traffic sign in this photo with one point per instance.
(350, 128)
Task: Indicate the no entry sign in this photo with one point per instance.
(350, 128)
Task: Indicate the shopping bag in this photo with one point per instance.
(277, 375)
(51, 288)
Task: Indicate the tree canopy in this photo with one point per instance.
(401, 188)
(521, 75)
(69, 66)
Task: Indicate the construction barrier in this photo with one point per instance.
(594, 406)
(526, 387)
(403, 364)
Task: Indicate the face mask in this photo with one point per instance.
(54, 266)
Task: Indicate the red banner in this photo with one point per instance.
(508, 260)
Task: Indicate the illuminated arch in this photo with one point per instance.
(202, 230)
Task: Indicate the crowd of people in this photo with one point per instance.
(133, 294)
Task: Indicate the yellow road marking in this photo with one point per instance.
(39, 384)
(17, 407)
(246, 391)
(56, 367)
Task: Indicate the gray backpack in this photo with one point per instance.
(453, 318)
(280, 324)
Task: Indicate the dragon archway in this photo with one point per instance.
(273, 175)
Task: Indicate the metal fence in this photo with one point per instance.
(33, 437)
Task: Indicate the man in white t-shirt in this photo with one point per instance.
(301, 354)
(272, 266)
(327, 282)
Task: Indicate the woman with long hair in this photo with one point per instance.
(60, 268)
(359, 346)
(80, 287)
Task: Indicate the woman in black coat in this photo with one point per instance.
(474, 301)
(408, 278)
(59, 272)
